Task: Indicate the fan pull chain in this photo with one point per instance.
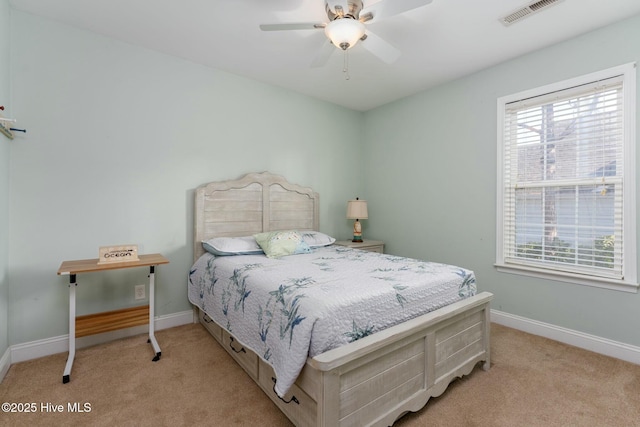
(345, 67)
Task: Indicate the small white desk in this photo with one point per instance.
(112, 320)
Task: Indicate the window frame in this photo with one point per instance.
(629, 282)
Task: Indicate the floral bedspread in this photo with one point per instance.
(299, 306)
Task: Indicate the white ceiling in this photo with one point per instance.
(440, 42)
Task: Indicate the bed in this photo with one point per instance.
(377, 374)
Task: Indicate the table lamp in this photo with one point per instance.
(357, 209)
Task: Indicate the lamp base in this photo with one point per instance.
(357, 232)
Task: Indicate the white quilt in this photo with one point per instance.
(299, 306)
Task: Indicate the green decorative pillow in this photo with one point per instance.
(276, 244)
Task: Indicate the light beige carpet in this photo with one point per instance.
(532, 382)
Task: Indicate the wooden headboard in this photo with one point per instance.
(255, 203)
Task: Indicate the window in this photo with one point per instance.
(566, 181)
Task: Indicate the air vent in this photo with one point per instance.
(527, 11)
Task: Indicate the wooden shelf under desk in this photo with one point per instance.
(107, 321)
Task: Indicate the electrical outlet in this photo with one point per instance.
(140, 292)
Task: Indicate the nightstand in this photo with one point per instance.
(365, 245)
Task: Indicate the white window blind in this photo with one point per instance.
(562, 196)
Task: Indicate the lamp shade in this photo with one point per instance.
(357, 209)
(345, 32)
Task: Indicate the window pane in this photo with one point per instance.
(567, 225)
(574, 138)
(563, 179)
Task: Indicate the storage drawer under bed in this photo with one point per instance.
(210, 325)
(297, 405)
(245, 358)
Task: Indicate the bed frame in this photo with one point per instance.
(372, 381)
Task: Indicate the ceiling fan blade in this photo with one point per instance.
(387, 8)
(380, 48)
(296, 26)
(323, 55)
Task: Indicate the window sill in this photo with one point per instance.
(598, 282)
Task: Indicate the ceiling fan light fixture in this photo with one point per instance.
(345, 32)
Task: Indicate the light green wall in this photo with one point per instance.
(430, 175)
(5, 33)
(118, 139)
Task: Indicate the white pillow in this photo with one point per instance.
(223, 246)
(316, 239)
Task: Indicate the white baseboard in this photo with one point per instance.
(60, 344)
(593, 343)
(49, 346)
(5, 363)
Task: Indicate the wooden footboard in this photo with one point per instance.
(377, 379)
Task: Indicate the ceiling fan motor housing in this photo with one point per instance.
(355, 6)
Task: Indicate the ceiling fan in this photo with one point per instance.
(346, 26)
